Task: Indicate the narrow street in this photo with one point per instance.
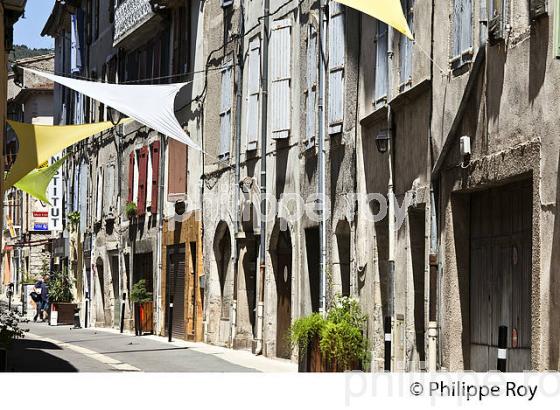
(63, 349)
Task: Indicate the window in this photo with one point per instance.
(253, 88)
(109, 190)
(336, 67)
(142, 159)
(99, 196)
(381, 62)
(405, 47)
(225, 111)
(538, 8)
(281, 64)
(311, 90)
(497, 18)
(177, 174)
(462, 36)
(181, 46)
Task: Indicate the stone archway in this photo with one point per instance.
(341, 260)
(222, 254)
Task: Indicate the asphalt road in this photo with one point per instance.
(62, 349)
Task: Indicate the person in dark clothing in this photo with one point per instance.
(39, 304)
(45, 298)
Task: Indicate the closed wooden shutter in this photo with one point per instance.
(253, 88)
(381, 62)
(99, 196)
(131, 177)
(337, 48)
(155, 147)
(280, 65)
(142, 179)
(311, 92)
(466, 26)
(109, 190)
(225, 111)
(405, 46)
(176, 289)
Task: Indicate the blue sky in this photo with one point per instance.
(28, 30)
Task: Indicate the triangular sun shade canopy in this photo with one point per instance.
(38, 143)
(37, 181)
(151, 105)
(388, 11)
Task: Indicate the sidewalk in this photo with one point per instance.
(238, 357)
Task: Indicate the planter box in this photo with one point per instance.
(313, 361)
(64, 313)
(144, 318)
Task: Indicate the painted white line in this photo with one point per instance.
(100, 357)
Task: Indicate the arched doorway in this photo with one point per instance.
(222, 255)
(341, 259)
(281, 253)
(99, 293)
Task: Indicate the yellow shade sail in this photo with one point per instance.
(37, 181)
(388, 11)
(38, 143)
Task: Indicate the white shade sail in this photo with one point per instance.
(151, 105)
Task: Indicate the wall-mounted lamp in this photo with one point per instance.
(382, 141)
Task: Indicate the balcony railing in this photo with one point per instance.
(130, 15)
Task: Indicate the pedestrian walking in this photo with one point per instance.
(45, 298)
(37, 298)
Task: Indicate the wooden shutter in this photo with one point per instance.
(405, 46)
(281, 62)
(142, 179)
(253, 88)
(466, 26)
(381, 62)
(311, 92)
(99, 196)
(154, 147)
(336, 67)
(109, 190)
(131, 177)
(225, 111)
(456, 35)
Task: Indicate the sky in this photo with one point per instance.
(28, 30)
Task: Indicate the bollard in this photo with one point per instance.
(123, 305)
(502, 349)
(432, 347)
(87, 311)
(77, 324)
(387, 331)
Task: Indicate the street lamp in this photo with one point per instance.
(382, 141)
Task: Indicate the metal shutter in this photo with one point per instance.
(176, 289)
(280, 65)
(225, 112)
(336, 67)
(253, 88)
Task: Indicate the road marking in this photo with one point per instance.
(100, 357)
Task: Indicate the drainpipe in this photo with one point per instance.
(321, 176)
(264, 127)
(237, 207)
(391, 199)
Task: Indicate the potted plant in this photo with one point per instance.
(143, 308)
(334, 343)
(74, 220)
(60, 287)
(9, 330)
(131, 210)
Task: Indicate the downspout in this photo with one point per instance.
(391, 200)
(321, 176)
(264, 128)
(237, 207)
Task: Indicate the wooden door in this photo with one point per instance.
(284, 295)
(176, 289)
(500, 277)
